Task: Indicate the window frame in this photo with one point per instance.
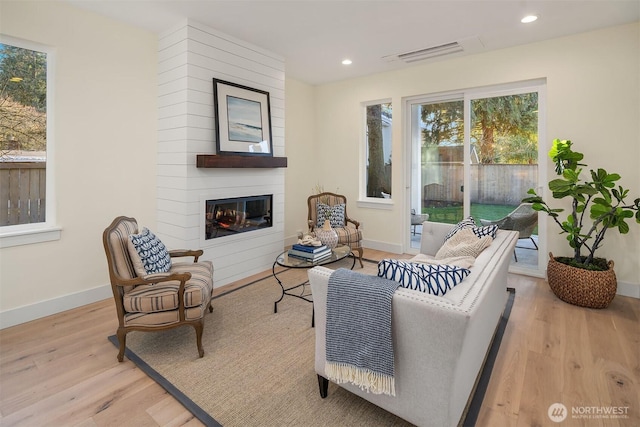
(363, 199)
(25, 234)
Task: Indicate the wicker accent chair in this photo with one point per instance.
(156, 301)
(349, 233)
(522, 219)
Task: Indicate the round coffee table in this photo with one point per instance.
(288, 262)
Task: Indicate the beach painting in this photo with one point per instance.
(242, 119)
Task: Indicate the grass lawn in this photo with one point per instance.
(453, 214)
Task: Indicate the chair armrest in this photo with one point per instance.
(311, 225)
(176, 253)
(353, 221)
(152, 279)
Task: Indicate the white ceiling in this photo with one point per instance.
(315, 35)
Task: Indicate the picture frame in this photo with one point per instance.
(242, 119)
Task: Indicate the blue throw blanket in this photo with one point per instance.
(358, 337)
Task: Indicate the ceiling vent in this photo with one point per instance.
(473, 43)
(422, 54)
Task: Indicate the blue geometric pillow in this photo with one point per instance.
(148, 253)
(468, 222)
(433, 279)
(335, 214)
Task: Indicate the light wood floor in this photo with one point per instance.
(62, 371)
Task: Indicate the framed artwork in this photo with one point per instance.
(242, 119)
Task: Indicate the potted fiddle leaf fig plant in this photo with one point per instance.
(597, 205)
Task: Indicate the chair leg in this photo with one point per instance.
(122, 340)
(534, 243)
(360, 252)
(514, 255)
(199, 327)
(210, 307)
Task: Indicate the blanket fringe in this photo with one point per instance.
(367, 380)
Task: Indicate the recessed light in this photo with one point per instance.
(528, 19)
(346, 62)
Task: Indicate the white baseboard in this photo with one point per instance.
(41, 309)
(382, 246)
(628, 290)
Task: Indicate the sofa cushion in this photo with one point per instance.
(335, 214)
(164, 295)
(428, 278)
(464, 243)
(148, 254)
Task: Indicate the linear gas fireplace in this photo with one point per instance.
(225, 217)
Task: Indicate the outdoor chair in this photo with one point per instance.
(156, 301)
(417, 219)
(522, 219)
(347, 229)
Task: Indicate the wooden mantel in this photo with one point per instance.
(232, 161)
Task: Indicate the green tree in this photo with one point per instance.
(443, 122)
(23, 99)
(375, 169)
(514, 115)
(31, 68)
(513, 119)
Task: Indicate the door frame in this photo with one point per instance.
(537, 85)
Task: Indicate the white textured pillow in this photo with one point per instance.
(431, 279)
(465, 223)
(464, 243)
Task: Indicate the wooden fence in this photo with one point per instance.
(22, 192)
(499, 184)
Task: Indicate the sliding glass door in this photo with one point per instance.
(476, 153)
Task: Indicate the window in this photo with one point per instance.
(25, 183)
(378, 150)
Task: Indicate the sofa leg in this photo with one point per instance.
(323, 383)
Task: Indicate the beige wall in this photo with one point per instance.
(593, 95)
(106, 132)
(105, 149)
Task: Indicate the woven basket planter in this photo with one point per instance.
(585, 288)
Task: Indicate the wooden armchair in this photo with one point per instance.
(152, 302)
(346, 228)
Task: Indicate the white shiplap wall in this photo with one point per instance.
(189, 57)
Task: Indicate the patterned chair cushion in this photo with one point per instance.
(334, 213)
(164, 296)
(428, 278)
(148, 254)
(350, 236)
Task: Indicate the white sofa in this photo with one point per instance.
(440, 343)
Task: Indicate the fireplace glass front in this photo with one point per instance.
(224, 217)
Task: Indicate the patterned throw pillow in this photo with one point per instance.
(148, 253)
(464, 243)
(468, 222)
(335, 214)
(487, 230)
(431, 279)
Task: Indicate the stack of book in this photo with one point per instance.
(310, 253)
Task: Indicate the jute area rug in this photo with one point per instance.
(258, 366)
